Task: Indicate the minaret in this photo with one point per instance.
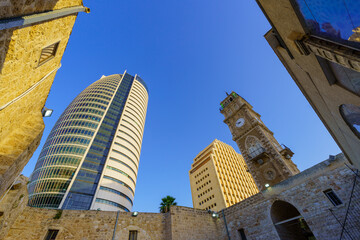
(269, 163)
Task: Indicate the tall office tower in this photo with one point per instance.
(91, 156)
(219, 178)
(269, 163)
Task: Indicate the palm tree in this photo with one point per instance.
(166, 203)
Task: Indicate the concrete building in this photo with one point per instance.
(219, 178)
(319, 44)
(269, 162)
(33, 38)
(317, 202)
(91, 157)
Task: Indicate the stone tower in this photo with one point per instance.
(269, 163)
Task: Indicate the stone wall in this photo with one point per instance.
(305, 192)
(21, 123)
(12, 205)
(181, 223)
(11, 8)
(194, 224)
(72, 224)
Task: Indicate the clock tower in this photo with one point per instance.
(268, 162)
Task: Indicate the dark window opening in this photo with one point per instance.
(51, 234)
(242, 234)
(351, 115)
(48, 53)
(133, 235)
(334, 199)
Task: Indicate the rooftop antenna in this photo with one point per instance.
(227, 94)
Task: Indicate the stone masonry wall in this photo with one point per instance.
(194, 224)
(12, 205)
(72, 224)
(305, 192)
(181, 223)
(21, 123)
(11, 8)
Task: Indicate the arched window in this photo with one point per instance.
(351, 115)
(289, 223)
(253, 146)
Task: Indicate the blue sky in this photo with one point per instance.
(189, 53)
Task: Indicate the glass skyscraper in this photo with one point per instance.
(91, 156)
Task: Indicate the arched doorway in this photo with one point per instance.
(289, 223)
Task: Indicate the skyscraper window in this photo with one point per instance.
(91, 156)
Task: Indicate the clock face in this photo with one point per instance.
(240, 122)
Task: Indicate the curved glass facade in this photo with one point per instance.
(91, 156)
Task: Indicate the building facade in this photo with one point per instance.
(269, 162)
(318, 42)
(91, 156)
(219, 178)
(33, 38)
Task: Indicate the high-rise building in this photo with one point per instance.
(33, 37)
(269, 162)
(318, 42)
(219, 178)
(91, 157)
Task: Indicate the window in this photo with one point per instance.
(333, 20)
(51, 234)
(48, 52)
(334, 199)
(242, 234)
(351, 115)
(133, 235)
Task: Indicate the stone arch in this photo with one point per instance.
(289, 223)
(253, 145)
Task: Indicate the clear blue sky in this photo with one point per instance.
(189, 53)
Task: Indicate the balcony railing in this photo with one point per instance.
(256, 152)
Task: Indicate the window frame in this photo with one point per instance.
(344, 118)
(50, 234)
(133, 234)
(242, 235)
(302, 20)
(334, 199)
(53, 54)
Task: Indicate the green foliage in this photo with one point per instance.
(58, 214)
(166, 203)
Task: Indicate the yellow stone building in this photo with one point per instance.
(219, 178)
(33, 38)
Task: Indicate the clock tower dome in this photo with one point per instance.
(268, 162)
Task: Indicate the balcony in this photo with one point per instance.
(258, 155)
(286, 152)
